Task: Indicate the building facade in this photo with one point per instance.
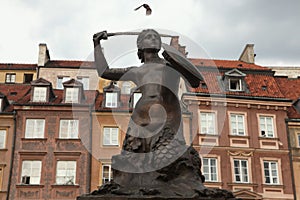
(51, 155)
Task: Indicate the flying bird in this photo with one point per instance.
(147, 7)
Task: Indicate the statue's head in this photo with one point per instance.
(149, 39)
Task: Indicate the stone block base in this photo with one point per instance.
(147, 198)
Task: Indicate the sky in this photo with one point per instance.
(219, 28)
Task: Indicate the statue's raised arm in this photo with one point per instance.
(101, 64)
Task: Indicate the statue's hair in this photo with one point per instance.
(140, 42)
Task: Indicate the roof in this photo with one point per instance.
(291, 90)
(232, 64)
(16, 66)
(13, 93)
(70, 64)
(258, 85)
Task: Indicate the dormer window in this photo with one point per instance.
(39, 94)
(41, 91)
(10, 78)
(73, 91)
(72, 95)
(234, 81)
(111, 96)
(235, 84)
(111, 100)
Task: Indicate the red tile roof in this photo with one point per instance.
(70, 63)
(254, 82)
(14, 66)
(227, 64)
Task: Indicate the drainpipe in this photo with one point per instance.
(90, 151)
(12, 153)
(291, 158)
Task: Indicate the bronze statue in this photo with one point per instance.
(155, 160)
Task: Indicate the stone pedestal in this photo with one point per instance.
(149, 198)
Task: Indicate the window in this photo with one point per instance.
(72, 95)
(110, 136)
(68, 129)
(210, 169)
(237, 122)
(298, 139)
(241, 171)
(2, 139)
(271, 172)
(66, 172)
(31, 172)
(111, 100)
(107, 174)
(235, 84)
(39, 94)
(136, 98)
(35, 128)
(28, 78)
(85, 81)
(207, 123)
(60, 80)
(1, 175)
(10, 78)
(266, 126)
(126, 87)
(1, 104)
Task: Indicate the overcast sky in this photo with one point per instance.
(220, 27)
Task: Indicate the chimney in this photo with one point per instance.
(248, 54)
(175, 43)
(44, 55)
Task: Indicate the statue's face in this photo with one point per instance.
(151, 40)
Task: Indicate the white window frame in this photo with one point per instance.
(110, 136)
(66, 172)
(270, 169)
(3, 136)
(209, 171)
(39, 94)
(298, 137)
(60, 80)
(72, 95)
(234, 124)
(268, 132)
(239, 171)
(10, 78)
(110, 174)
(238, 84)
(210, 125)
(85, 82)
(68, 128)
(38, 129)
(33, 173)
(136, 98)
(1, 100)
(111, 99)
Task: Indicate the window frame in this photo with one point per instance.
(209, 173)
(241, 172)
(273, 120)
(1, 175)
(73, 97)
(32, 163)
(69, 129)
(60, 80)
(8, 77)
(26, 76)
(37, 97)
(4, 132)
(110, 136)
(136, 99)
(74, 173)
(26, 136)
(1, 104)
(110, 173)
(270, 172)
(85, 80)
(214, 122)
(237, 123)
(298, 138)
(239, 83)
(111, 101)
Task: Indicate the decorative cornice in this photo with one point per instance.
(240, 153)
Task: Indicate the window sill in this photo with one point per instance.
(110, 146)
(268, 138)
(34, 139)
(272, 185)
(239, 136)
(68, 139)
(29, 186)
(209, 135)
(70, 186)
(4, 149)
(245, 184)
